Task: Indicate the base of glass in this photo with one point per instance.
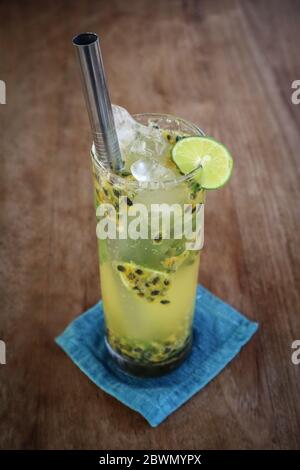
(132, 367)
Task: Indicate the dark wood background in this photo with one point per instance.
(226, 65)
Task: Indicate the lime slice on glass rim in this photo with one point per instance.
(206, 153)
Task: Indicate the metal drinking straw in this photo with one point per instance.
(97, 100)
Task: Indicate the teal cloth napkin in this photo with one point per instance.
(219, 334)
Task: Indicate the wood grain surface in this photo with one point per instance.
(226, 65)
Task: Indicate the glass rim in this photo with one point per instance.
(154, 185)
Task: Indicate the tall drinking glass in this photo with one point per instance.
(149, 284)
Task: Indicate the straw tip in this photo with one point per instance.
(85, 39)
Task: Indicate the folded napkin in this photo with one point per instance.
(219, 333)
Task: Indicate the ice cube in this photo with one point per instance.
(126, 127)
(138, 140)
(147, 170)
(150, 143)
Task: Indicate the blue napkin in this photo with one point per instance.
(219, 333)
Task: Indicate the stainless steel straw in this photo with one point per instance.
(97, 100)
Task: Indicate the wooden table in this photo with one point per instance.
(226, 65)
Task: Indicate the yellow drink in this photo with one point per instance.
(148, 285)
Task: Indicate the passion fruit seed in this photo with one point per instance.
(141, 281)
(107, 192)
(195, 189)
(149, 352)
(172, 263)
(158, 238)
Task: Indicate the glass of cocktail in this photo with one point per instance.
(149, 284)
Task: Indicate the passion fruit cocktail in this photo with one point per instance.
(149, 285)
